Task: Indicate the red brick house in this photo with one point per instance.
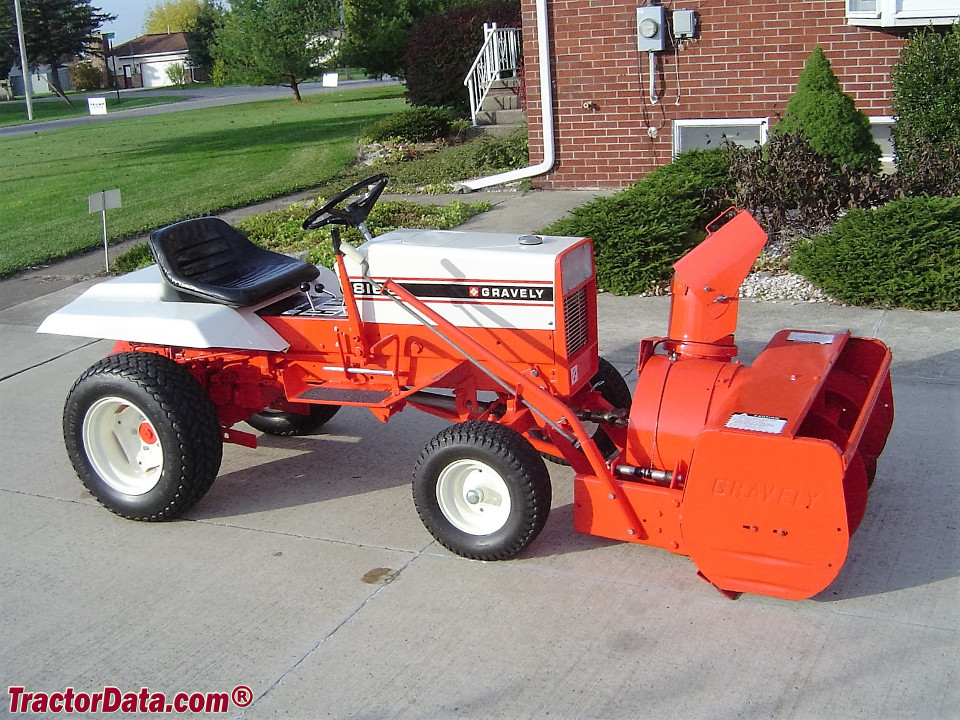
(730, 76)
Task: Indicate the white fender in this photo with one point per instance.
(141, 307)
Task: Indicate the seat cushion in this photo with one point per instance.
(208, 258)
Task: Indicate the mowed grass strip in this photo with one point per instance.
(171, 167)
(15, 113)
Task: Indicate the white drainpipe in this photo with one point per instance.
(546, 109)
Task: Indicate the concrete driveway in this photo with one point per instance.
(305, 578)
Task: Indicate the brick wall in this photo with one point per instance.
(743, 64)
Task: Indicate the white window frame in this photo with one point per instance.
(762, 123)
(891, 13)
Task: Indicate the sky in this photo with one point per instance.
(130, 14)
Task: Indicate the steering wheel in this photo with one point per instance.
(353, 214)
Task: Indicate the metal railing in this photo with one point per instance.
(499, 57)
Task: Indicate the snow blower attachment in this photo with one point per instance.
(760, 473)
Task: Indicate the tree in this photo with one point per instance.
(202, 37)
(827, 118)
(277, 42)
(926, 100)
(441, 48)
(58, 31)
(170, 16)
(8, 39)
(376, 31)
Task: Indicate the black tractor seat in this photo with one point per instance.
(208, 258)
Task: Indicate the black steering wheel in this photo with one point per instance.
(355, 212)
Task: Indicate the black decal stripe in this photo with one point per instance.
(483, 291)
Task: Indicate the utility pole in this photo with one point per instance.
(24, 65)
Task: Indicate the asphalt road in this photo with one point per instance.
(193, 99)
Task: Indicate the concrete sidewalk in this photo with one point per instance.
(306, 576)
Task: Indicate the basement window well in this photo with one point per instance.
(707, 134)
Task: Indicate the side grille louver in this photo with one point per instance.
(575, 320)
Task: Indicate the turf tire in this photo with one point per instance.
(501, 468)
(162, 402)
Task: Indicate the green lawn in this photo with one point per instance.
(171, 167)
(14, 112)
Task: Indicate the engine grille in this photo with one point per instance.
(576, 320)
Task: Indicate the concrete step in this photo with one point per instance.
(504, 83)
(499, 131)
(501, 101)
(501, 117)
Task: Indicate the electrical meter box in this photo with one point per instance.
(651, 31)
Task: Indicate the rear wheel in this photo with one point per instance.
(286, 422)
(142, 435)
(482, 490)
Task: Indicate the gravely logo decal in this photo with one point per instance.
(458, 291)
(767, 494)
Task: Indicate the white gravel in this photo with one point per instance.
(765, 285)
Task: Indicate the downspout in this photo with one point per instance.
(546, 109)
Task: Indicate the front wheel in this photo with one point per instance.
(142, 435)
(482, 490)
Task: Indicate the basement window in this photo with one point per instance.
(706, 134)
(881, 128)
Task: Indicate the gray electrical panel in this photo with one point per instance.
(684, 24)
(651, 31)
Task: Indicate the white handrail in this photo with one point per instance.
(500, 54)
(546, 115)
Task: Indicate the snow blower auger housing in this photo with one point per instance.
(759, 474)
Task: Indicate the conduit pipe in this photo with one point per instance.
(546, 110)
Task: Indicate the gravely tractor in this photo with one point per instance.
(759, 473)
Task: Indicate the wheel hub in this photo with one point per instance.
(122, 446)
(473, 497)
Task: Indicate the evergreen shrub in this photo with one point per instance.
(828, 119)
(420, 124)
(640, 232)
(926, 103)
(904, 254)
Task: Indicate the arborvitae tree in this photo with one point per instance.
(926, 102)
(828, 119)
(8, 39)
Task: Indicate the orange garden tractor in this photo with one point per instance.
(760, 474)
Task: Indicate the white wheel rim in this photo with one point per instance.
(473, 497)
(122, 446)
